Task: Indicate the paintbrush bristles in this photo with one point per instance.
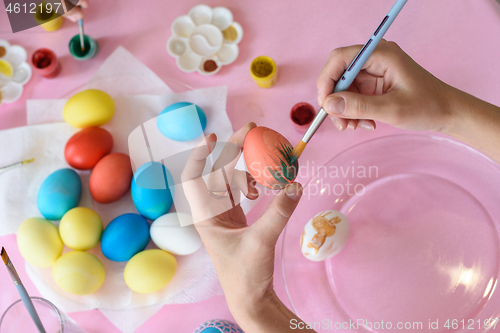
(5, 257)
(299, 148)
(29, 161)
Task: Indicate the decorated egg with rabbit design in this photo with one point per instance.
(325, 235)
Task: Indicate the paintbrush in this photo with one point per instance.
(22, 291)
(351, 72)
(82, 41)
(15, 165)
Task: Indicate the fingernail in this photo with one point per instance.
(336, 122)
(368, 127)
(335, 105)
(294, 192)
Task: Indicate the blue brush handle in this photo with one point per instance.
(30, 307)
(363, 55)
(356, 65)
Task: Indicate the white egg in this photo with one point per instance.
(167, 234)
(325, 235)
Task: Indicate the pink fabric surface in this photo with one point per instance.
(457, 41)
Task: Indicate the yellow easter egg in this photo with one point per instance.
(79, 273)
(39, 242)
(149, 271)
(89, 108)
(81, 228)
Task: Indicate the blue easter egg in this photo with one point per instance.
(150, 190)
(124, 237)
(218, 326)
(182, 121)
(60, 192)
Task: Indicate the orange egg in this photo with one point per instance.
(85, 148)
(110, 179)
(269, 159)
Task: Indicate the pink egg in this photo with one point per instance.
(85, 148)
(111, 178)
(269, 159)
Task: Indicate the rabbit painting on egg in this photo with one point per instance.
(324, 235)
(324, 228)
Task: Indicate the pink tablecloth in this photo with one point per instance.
(457, 41)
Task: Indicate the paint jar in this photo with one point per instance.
(264, 71)
(49, 21)
(302, 115)
(45, 63)
(75, 48)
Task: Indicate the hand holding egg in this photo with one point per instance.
(233, 245)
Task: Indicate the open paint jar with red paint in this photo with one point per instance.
(302, 115)
(45, 63)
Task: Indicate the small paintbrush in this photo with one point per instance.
(15, 165)
(82, 40)
(352, 71)
(22, 291)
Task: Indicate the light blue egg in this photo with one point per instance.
(60, 192)
(182, 121)
(124, 237)
(218, 326)
(150, 192)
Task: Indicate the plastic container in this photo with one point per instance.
(424, 244)
(205, 40)
(49, 21)
(90, 51)
(17, 319)
(264, 71)
(45, 63)
(15, 72)
(302, 115)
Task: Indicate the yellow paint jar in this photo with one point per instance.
(49, 21)
(264, 71)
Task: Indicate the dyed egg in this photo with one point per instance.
(110, 178)
(269, 159)
(218, 326)
(84, 149)
(150, 271)
(60, 192)
(182, 121)
(79, 273)
(150, 192)
(39, 242)
(167, 233)
(80, 229)
(89, 108)
(325, 235)
(124, 237)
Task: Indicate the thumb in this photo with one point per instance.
(270, 225)
(352, 105)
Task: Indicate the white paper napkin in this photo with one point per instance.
(196, 278)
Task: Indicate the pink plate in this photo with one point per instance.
(424, 246)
